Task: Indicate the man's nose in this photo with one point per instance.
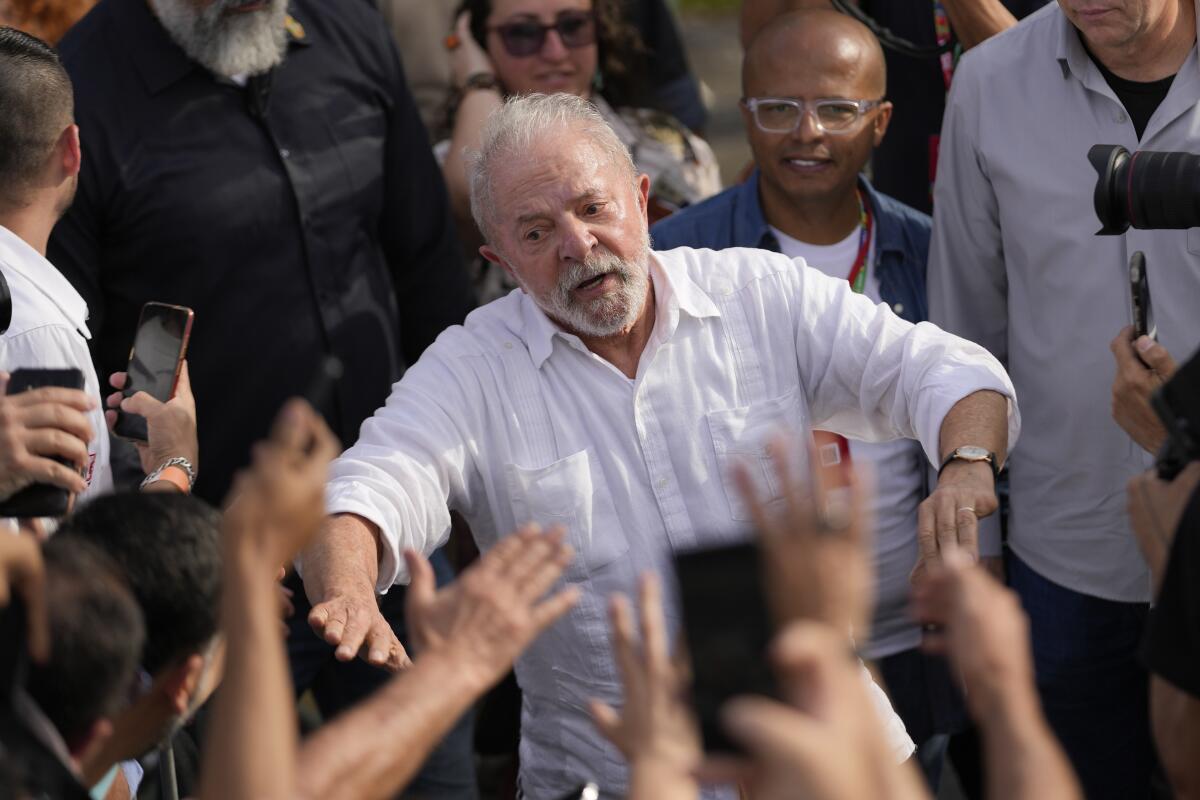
(577, 241)
(808, 129)
(553, 48)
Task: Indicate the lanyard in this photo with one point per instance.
(858, 273)
(832, 448)
(941, 25)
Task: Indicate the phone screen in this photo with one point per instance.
(728, 629)
(158, 348)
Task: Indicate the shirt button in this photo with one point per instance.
(898, 308)
(284, 152)
(662, 483)
(508, 345)
(1122, 116)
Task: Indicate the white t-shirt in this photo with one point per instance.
(899, 468)
(49, 331)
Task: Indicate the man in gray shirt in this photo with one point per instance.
(1015, 266)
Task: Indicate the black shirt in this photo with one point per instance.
(323, 226)
(1172, 646)
(917, 88)
(1140, 99)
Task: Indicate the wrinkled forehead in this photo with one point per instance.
(553, 173)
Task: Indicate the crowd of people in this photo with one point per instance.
(569, 352)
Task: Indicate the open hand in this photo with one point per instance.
(655, 723)
(817, 551)
(496, 608)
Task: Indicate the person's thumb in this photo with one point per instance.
(1155, 356)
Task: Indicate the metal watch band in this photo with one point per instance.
(181, 463)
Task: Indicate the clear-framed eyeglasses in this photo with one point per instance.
(784, 114)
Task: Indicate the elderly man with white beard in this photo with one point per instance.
(263, 163)
(612, 393)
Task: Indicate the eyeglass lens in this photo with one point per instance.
(784, 117)
(525, 38)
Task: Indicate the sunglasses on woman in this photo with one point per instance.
(524, 38)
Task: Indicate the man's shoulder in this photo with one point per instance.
(1010, 51)
(485, 331)
(916, 224)
(89, 54)
(706, 224)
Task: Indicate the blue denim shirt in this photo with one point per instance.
(734, 218)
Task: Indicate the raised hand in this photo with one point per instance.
(496, 608)
(817, 545)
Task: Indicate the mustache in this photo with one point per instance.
(595, 264)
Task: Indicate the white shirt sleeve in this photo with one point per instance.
(870, 375)
(411, 460)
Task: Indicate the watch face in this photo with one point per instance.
(972, 453)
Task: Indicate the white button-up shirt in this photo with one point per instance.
(1016, 266)
(509, 419)
(49, 331)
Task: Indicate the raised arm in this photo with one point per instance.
(975, 21)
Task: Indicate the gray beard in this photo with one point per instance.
(245, 44)
(606, 316)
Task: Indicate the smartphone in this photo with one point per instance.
(728, 628)
(159, 347)
(1177, 403)
(1139, 290)
(40, 499)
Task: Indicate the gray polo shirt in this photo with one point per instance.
(1015, 266)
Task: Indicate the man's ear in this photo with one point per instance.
(643, 185)
(69, 153)
(493, 255)
(179, 682)
(882, 120)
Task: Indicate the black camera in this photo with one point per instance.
(1145, 189)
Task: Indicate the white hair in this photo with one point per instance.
(513, 128)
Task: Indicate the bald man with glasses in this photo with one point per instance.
(815, 108)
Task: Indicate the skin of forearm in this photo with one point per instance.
(654, 780)
(1175, 719)
(979, 419)
(250, 751)
(975, 21)
(344, 554)
(1023, 760)
(474, 109)
(374, 749)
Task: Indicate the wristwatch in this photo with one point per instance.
(972, 453)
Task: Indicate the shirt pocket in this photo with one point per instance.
(569, 492)
(741, 435)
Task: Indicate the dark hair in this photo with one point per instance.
(167, 544)
(36, 104)
(620, 52)
(96, 636)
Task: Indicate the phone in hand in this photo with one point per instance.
(1139, 290)
(159, 347)
(728, 629)
(41, 499)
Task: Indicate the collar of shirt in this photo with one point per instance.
(674, 292)
(749, 224)
(1074, 61)
(23, 259)
(160, 62)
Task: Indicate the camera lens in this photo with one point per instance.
(1146, 189)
